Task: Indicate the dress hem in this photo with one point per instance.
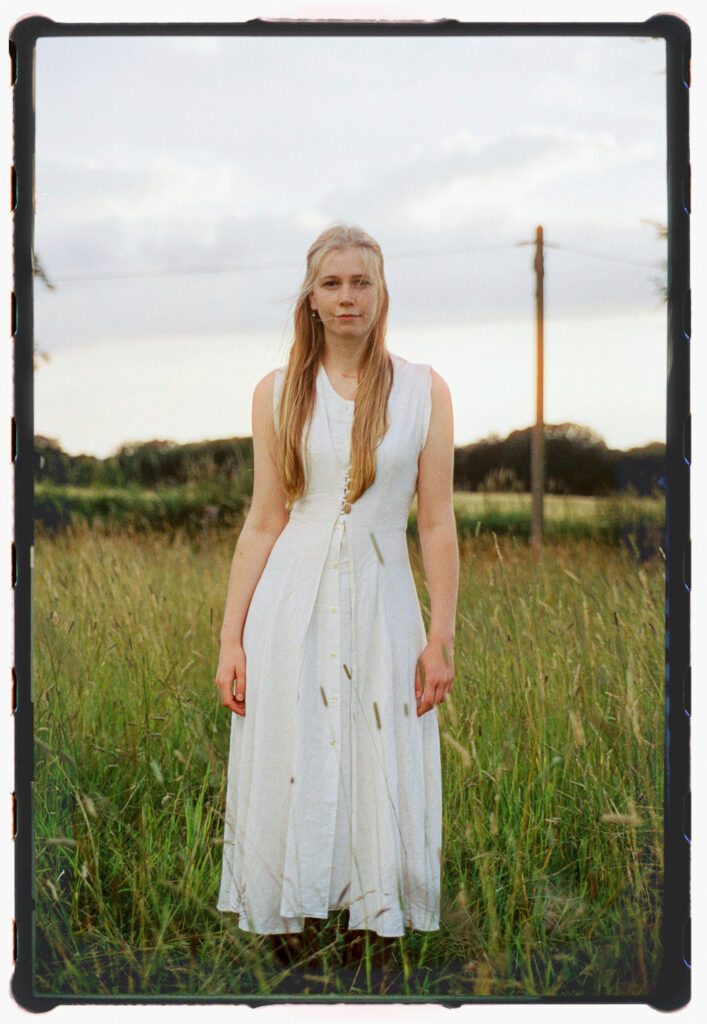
(243, 925)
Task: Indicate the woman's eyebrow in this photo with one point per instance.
(358, 276)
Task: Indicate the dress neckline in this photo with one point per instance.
(332, 389)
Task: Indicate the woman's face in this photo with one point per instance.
(345, 295)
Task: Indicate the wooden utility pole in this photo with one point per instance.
(537, 449)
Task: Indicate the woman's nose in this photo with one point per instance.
(345, 295)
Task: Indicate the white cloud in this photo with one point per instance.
(520, 170)
(164, 188)
(311, 220)
(463, 142)
(428, 144)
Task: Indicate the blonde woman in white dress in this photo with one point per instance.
(334, 790)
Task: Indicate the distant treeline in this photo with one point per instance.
(577, 461)
(150, 464)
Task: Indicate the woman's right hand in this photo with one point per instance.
(231, 667)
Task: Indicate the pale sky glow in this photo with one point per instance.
(180, 181)
(182, 388)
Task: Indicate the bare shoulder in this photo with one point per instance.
(439, 388)
(264, 392)
(263, 401)
(265, 387)
(438, 381)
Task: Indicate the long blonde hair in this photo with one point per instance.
(294, 413)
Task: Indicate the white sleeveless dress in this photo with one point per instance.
(333, 795)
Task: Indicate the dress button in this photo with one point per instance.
(333, 743)
(333, 609)
(333, 654)
(335, 565)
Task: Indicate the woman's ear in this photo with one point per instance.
(312, 303)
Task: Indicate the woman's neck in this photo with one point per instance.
(342, 360)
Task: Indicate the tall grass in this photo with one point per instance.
(552, 775)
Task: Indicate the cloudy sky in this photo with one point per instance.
(179, 182)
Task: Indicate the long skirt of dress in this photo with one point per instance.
(312, 883)
(340, 880)
(326, 676)
(311, 867)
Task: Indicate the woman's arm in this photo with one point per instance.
(440, 553)
(264, 524)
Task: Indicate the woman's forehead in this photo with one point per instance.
(344, 262)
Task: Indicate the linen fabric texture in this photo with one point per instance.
(334, 791)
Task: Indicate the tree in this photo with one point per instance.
(38, 271)
(661, 233)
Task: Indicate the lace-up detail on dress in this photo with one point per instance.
(345, 506)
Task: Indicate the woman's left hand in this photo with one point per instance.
(434, 675)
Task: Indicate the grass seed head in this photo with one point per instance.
(577, 729)
(632, 819)
(89, 806)
(462, 751)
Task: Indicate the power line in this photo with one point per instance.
(601, 256)
(414, 254)
(248, 268)
(461, 251)
(127, 275)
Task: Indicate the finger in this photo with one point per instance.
(228, 698)
(420, 680)
(237, 700)
(240, 685)
(425, 704)
(434, 695)
(225, 690)
(230, 703)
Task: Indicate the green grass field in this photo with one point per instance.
(552, 772)
(201, 506)
(558, 507)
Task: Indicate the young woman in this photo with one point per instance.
(334, 774)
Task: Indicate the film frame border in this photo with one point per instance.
(673, 988)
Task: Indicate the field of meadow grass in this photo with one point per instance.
(552, 745)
